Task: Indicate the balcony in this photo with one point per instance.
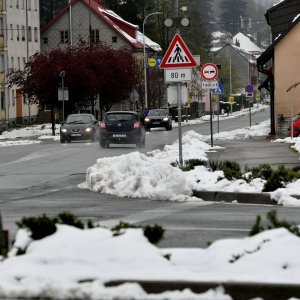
(1, 8)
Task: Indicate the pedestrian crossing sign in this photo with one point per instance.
(178, 55)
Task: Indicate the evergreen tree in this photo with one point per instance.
(49, 8)
(231, 13)
(197, 35)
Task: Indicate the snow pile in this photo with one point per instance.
(30, 131)
(152, 176)
(74, 264)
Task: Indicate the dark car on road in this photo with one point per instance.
(158, 118)
(79, 127)
(121, 127)
(296, 126)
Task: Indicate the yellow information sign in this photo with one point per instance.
(231, 99)
(257, 96)
(152, 62)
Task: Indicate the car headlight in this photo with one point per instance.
(64, 130)
(88, 129)
(165, 118)
(147, 119)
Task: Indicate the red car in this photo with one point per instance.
(296, 126)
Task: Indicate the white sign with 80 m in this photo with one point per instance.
(178, 75)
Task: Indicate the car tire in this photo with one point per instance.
(169, 127)
(93, 137)
(142, 143)
(103, 144)
(147, 128)
(62, 140)
(68, 141)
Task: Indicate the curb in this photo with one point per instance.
(237, 290)
(253, 198)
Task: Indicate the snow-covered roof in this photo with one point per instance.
(126, 29)
(245, 43)
(148, 43)
(217, 34)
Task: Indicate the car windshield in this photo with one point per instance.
(78, 119)
(157, 113)
(120, 117)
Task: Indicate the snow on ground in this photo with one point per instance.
(74, 264)
(152, 175)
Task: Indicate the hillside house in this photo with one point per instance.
(280, 64)
(88, 20)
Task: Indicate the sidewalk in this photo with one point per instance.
(251, 152)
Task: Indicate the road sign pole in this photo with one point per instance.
(211, 124)
(250, 111)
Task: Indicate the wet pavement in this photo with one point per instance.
(256, 151)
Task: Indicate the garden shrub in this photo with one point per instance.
(40, 226)
(213, 165)
(69, 219)
(189, 164)
(231, 169)
(263, 171)
(279, 178)
(43, 226)
(153, 233)
(273, 223)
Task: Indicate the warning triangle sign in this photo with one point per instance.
(178, 55)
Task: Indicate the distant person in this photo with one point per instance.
(146, 111)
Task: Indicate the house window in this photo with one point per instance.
(23, 33)
(29, 4)
(24, 62)
(95, 35)
(35, 5)
(13, 99)
(17, 4)
(2, 63)
(12, 62)
(35, 34)
(19, 63)
(64, 36)
(45, 40)
(18, 32)
(114, 39)
(22, 4)
(29, 37)
(1, 26)
(10, 3)
(2, 101)
(11, 32)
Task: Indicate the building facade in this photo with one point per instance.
(19, 39)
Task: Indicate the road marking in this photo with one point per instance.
(152, 214)
(206, 229)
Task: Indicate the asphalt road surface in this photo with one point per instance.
(43, 178)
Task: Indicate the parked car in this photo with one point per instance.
(79, 127)
(296, 126)
(121, 127)
(158, 118)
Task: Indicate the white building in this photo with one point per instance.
(19, 39)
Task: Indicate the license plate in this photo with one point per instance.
(156, 122)
(75, 134)
(119, 135)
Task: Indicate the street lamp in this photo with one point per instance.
(145, 69)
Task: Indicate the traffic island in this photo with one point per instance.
(218, 196)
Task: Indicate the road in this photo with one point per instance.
(43, 178)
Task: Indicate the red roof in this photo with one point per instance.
(127, 30)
